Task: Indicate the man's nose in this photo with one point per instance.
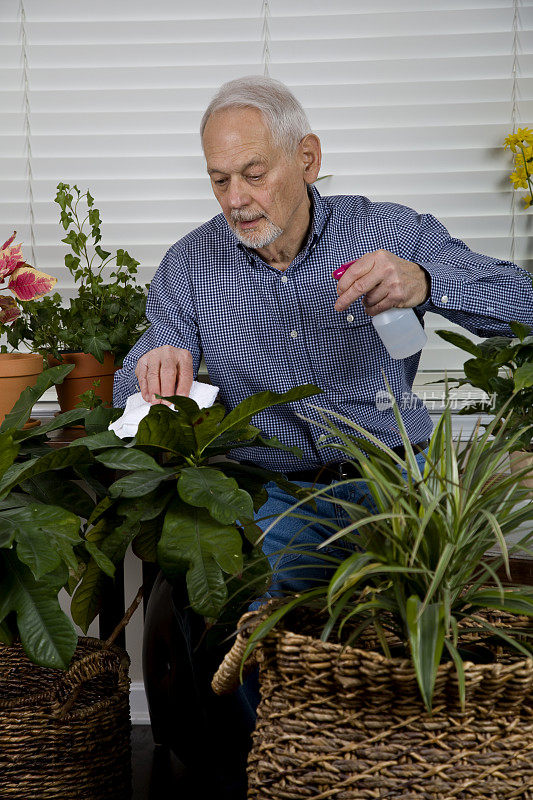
(238, 195)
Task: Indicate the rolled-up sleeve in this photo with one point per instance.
(171, 312)
(480, 293)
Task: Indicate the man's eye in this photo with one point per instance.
(254, 177)
(220, 181)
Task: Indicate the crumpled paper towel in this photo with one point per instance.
(136, 408)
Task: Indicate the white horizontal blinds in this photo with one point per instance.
(412, 102)
(117, 91)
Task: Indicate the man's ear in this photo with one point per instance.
(311, 156)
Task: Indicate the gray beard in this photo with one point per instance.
(257, 239)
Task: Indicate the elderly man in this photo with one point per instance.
(252, 289)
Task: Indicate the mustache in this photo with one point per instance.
(244, 216)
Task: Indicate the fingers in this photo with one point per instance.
(165, 371)
(186, 375)
(359, 278)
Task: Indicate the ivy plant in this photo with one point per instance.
(108, 313)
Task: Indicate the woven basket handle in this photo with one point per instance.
(85, 669)
(226, 678)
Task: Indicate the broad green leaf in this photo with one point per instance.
(98, 441)
(99, 419)
(105, 564)
(127, 458)
(45, 488)
(210, 488)
(205, 423)
(460, 341)
(191, 539)
(242, 413)
(61, 421)
(8, 451)
(56, 459)
(514, 602)
(169, 430)
(426, 638)
(479, 371)
(520, 330)
(275, 442)
(20, 413)
(47, 634)
(523, 377)
(45, 535)
(139, 483)
(88, 598)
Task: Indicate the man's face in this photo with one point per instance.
(261, 190)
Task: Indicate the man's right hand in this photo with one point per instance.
(166, 371)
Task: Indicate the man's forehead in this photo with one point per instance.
(239, 134)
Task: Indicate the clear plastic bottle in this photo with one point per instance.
(400, 331)
(398, 328)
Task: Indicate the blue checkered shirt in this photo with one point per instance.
(261, 328)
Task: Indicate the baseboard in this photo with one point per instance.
(138, 704)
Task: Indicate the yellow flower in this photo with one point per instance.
(510, 141)
(524, 134)
(527, 201)
(519, 181)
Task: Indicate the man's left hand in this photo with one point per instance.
(386, 280)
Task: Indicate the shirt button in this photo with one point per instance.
(349, 318)
(294, 334)
(284, 279)
(444, 298)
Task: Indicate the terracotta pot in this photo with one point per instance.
(87, 370)
(17, 372)
(519, 460)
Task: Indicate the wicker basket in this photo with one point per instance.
(65, 735)
(349, 724)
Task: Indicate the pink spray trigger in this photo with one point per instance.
(342, 269)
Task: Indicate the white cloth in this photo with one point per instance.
(136, 408)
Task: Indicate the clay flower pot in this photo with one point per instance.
(87, 370)
(17, 372)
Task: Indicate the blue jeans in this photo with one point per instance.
(296, 571)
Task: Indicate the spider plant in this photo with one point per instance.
(420, 577)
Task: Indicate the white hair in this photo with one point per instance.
(283, 114)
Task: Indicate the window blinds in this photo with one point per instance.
(412, 105)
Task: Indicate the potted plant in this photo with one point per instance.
(170, 503)
(99, 326)
(502, 367)
(410, 673)
(17, 370)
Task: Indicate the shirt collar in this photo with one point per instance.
(319, 217)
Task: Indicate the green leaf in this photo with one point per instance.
(105, 564)
(56, 459)
(88, 598)
(192, 540)
(45, 535)
(210, 488)
(98, 441)
(426, 638)
(514, 602)
(61, 421)
(8, 451)
(98, 419)
(460, 341)
(46, 489)
(127, 458)
(479, 371)
(139, 483)
(205, 422)
(169, 430)
(523, 377)
(242, 413)
(520, 330)
(102, 253)
(97, 344)
(47, 635)
(20, 412)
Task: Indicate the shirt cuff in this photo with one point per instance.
(447, 290)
